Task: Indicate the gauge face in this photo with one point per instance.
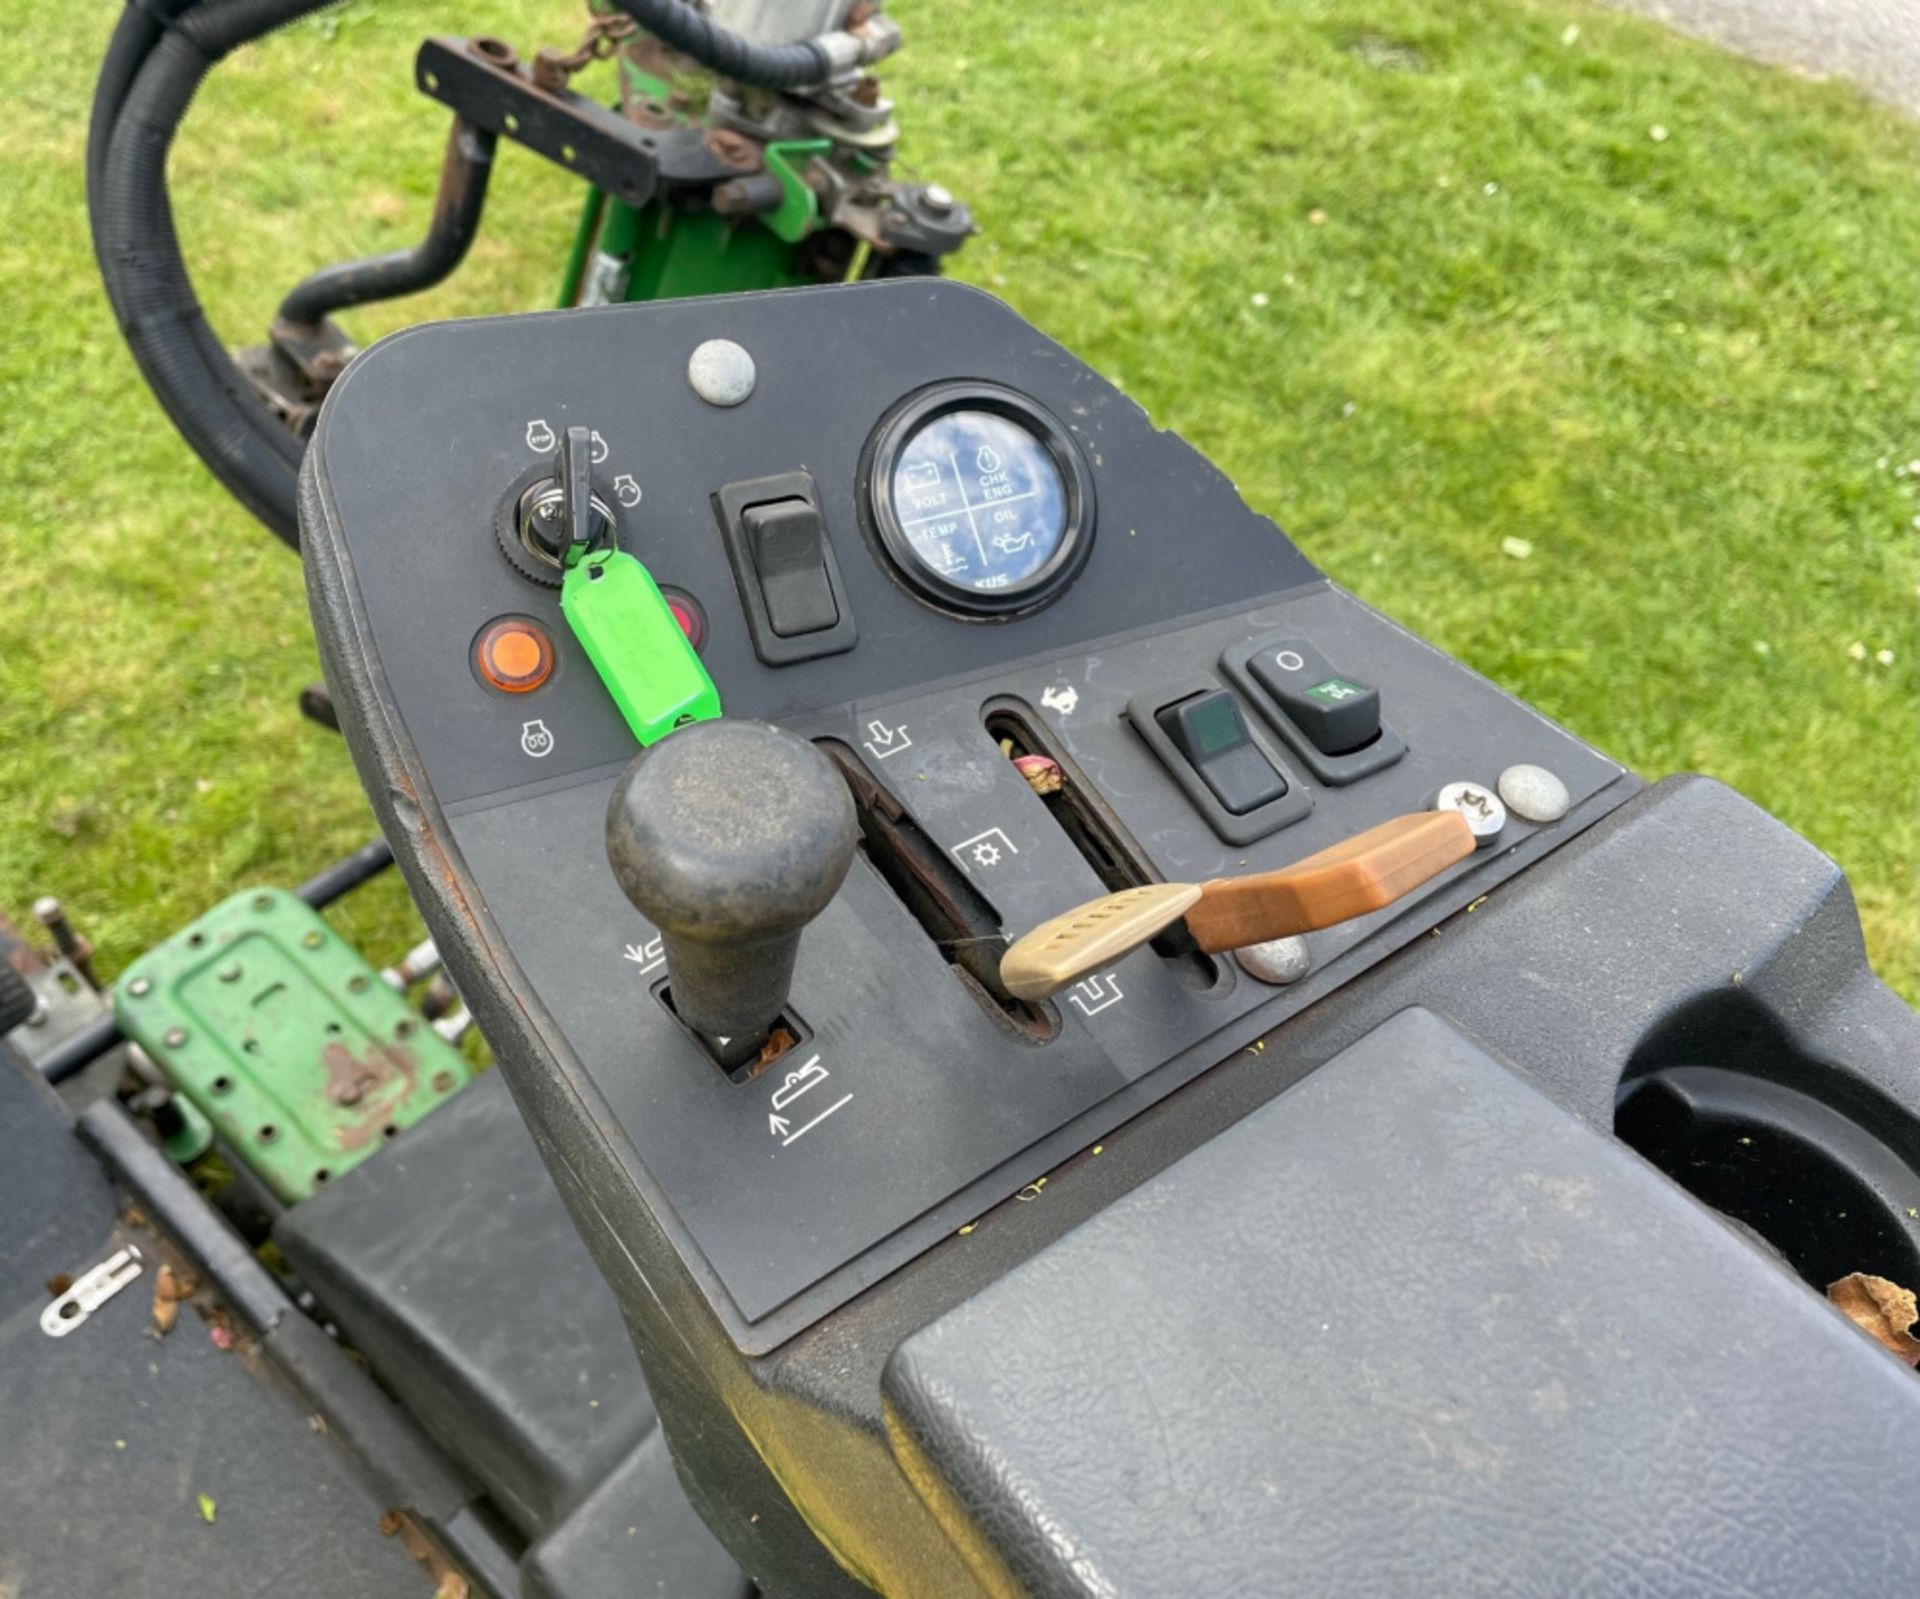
(980, 499)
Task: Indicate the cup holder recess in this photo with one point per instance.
(1810, 1159)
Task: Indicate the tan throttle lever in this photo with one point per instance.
(1364, 873)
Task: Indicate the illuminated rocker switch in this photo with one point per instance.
(1337, 714)
(1211, 733)
(788, 544)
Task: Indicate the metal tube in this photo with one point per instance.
(344, 876)
(82, 1049)
(456, 219)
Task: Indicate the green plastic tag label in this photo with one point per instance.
(625, 625)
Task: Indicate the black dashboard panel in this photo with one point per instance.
(912, 1102)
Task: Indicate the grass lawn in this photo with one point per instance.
(1586, 351)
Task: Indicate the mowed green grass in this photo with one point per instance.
(1425, 280)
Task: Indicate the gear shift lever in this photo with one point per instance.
(730, 836)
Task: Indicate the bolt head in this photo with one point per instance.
(1278, 961)
(175, 1037)
(937, 198)
(1534, 793)
(230, 973)
(721, 372)
(1481, 807)
(140, 987)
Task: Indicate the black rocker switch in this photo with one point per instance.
(788, 543)
(730, 837)
(1211, 733)
(1336, 713)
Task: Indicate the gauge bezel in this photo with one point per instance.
(882, 519)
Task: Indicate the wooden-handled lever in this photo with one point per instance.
(1361, 874)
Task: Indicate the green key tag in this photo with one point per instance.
(628, 630)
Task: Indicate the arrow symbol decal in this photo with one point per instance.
(778, 1125)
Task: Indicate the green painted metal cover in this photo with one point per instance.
(303, 1058)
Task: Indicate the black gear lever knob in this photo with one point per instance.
(729, 837)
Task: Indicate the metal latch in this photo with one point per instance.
(91, 1292)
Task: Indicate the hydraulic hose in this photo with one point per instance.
(802, 64)
(159, 53)
(178, 353)
(457, 206)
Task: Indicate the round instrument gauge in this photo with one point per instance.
(980, 499)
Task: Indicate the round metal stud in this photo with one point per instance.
(1534, 794)
(1278, 961)
(175, 1037)
(230, 973)
(721, 372)
(140, 988)
(1485, 815)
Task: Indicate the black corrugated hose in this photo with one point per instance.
(799, 65)
(160, 52)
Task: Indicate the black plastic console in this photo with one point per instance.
(994, 551)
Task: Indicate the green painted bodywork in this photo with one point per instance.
(676, 255)
(283, 1036)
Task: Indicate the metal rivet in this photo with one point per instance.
(263, 902)
(721, 372)
(1485, 815)
(1278, 961)
(230, 974)
(175, 1037)
(313, 940)
(1534, 793)
(140, 988)
(357, 984)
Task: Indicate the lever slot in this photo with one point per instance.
(1101, 841)
(950, 910)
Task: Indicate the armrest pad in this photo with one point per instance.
(1411, 1329)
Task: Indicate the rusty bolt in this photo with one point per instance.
(736, 149)
(78, 950)
(498, 51)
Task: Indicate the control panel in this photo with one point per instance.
(984, 644)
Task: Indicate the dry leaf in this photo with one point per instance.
(206, 1507)
(1884, 1311)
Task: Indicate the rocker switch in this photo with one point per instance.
(787, 542)
(1209, 731)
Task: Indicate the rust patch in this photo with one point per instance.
(368, 1085)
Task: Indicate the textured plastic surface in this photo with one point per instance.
(1448, 1340)
(1565, 968)
(112, 1435)
(285, 1038)
(497, 1328)
(926, 1106)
